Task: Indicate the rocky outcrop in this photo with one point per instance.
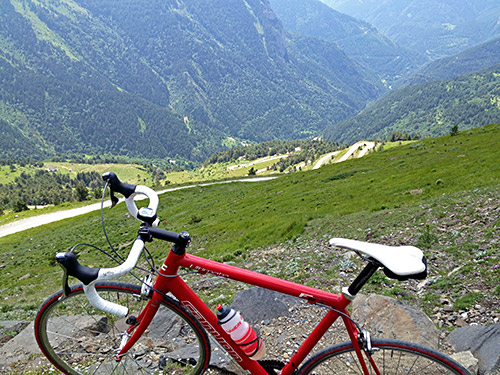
(483, 342)
(389, 318)
(477, 347)
(261, 305)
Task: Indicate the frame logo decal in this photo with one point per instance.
(188, 305)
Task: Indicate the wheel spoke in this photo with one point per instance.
(393, 357)
(80, 339)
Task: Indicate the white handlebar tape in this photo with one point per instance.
(148, 192)
(125, 267)
(112, 273)
(102, 304)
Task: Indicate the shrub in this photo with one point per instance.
(466, 301)
(426, 238)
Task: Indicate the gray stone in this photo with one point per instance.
(483, 342)
(20, 347)
(389, 318)
(13, 325)
(467, 360)
(258, 304)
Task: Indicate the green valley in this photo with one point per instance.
(361, 198)
(164, 79)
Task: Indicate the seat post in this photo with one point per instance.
(363, 277)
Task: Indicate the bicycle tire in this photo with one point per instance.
(79, 339)
(390, 356)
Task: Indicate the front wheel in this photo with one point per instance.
(390, 357)
(79, 339)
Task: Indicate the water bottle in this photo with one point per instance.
(241, 333)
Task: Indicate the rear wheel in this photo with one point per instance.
(391, 357)
(79, 339)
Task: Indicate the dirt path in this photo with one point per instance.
(35, 221)
(365, 147)
(261, 160)
(325, 158)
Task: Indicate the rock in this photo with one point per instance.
(461, 323)
(20, 347)
(258, 304)
(467, 360)
(13, 325)
(389, 318)
(483, 342)
(9, 329)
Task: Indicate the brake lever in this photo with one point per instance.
(66, 290)
(114, 199)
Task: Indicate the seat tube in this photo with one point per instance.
(310, 342)
(354, 335)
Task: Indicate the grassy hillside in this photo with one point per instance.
(429, 109)
(229, 221)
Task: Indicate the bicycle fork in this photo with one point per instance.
(138, 325)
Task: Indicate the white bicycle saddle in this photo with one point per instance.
(401, 260)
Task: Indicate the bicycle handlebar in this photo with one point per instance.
(90, 276)
(145, 214)
(113, 273)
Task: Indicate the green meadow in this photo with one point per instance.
(229, 221)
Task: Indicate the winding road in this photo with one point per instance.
(35, 221)
(363, 146)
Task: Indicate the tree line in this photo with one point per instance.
(307, 148)
(44, 187)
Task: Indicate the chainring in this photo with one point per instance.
(271, 366)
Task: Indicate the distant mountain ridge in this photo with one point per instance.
(166, 78)
(429, 109)
(359, 39)
(476, 58)
(435, 27)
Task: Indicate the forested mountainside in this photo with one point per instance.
(476, 58)
(164, 78)
(359, 39)
(435, 27)
(428, 109)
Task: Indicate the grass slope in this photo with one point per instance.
(227, 221)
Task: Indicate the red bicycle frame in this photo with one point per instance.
(167, 281)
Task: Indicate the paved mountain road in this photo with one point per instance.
(35, 221)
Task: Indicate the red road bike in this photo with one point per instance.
(162, 326)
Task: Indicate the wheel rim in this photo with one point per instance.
(390, 359)
(79, 339)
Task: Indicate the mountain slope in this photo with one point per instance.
(471, 60)
(428, 109)
(165, 78)
(360, 40)
(435, 27)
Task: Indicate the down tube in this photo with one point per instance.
(208, 320)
